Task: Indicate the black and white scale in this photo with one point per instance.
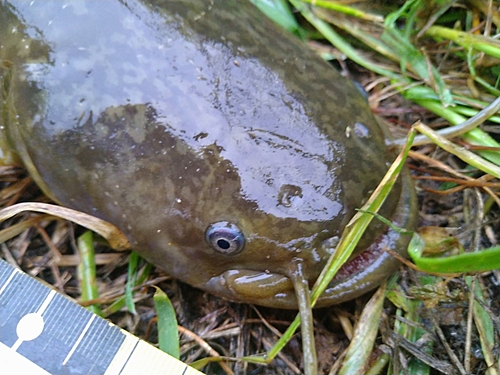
(42, 332)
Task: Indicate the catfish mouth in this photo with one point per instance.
(277, 290)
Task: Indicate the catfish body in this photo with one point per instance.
(223, 148)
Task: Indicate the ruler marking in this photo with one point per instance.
(129, 357)
(123, 354)
(110, 340)
(79, 340)
(17, 344)
(94, 343)
(46, 302)
(7, 282)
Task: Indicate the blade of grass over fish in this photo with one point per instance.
(350, 237)
(168, 334)
(460, 151)
(360, 348)
(112, 234)
(87, 270)
(358, 224)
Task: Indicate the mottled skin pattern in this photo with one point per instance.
(163, 117)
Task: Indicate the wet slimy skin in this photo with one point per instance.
(224, 149)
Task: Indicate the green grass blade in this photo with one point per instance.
(279, 12)
(87, 270)
(121, 302)
(168, 335)
(133, 268)
(345, 9)
(413, 60)
(477, 261)
(333, 37)
(467, 40)
(462, 153)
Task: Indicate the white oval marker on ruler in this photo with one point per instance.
(31, 325)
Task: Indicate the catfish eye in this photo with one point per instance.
(224, 237)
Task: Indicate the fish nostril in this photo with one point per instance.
(329, 245)
(290, 195)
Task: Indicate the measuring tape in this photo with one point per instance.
(44, 333)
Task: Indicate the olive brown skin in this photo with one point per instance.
(223, 148)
